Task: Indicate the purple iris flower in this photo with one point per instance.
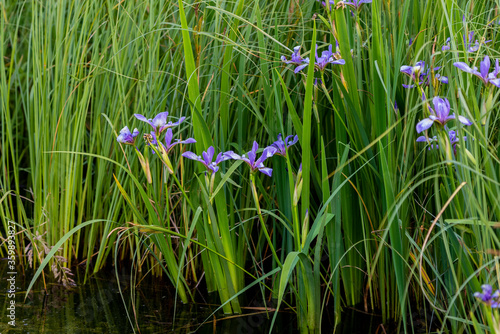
(168, 141)
(472, 45)
(256, 164)
(207, 158)
(421, 74)
(327, 57)
(281, 146)
(453, 137)
(483, 74)
(159, 123)
(126, 137)
(446, 45)
(296, 59)
(488, 296)
(451, 134)
(440, 78)
(425, 139)
(440, 114)
(356, 4)
(413, 71)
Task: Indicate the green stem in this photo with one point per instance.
(256, 199)
(295, 209)
(331, 102)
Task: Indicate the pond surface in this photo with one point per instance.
(97, 306)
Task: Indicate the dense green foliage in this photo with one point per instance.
(373, 218)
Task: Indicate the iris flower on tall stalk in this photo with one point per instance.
(159, 122)
(327, 57)
(206, 159)
(258, 165)
(471, 45)
(296, 59)
(282, 146)
(226, 282)
(251, 158)
(441, 115)
(488, 78)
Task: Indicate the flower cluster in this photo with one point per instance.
(279, 147)
(452, 136)
(489, 297)
(159, 124)
(420, 74)
(471, 44)
(327, 57)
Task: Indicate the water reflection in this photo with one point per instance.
(98, 307)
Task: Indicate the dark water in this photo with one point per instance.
(98, 307)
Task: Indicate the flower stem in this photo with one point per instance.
(259, 212)
(295, 210)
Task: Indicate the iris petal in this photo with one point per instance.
(464, 120)
(421, 139)
(463, 66)
(160, 119)
(485, 67)
(424, 124)
(143, 118)
(168, 137)
(495, 82)
(191, 155)
(267, 171)
(300, 68)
